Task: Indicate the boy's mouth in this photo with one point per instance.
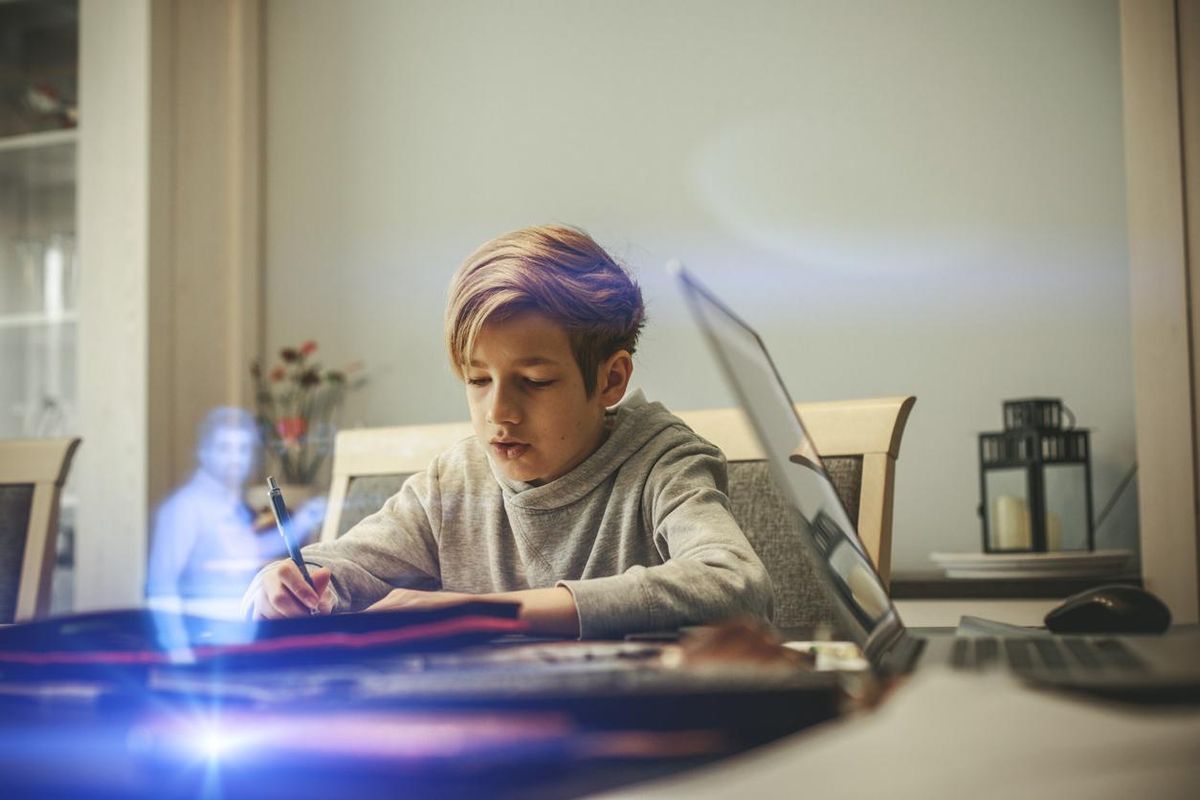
(509, 450)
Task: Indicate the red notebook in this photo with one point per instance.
(142, 637)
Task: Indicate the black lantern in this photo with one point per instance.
(1035, 480)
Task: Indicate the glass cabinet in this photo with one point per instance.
(39, 267)
(37, 286)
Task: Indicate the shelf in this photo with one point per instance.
(935, 586)
(34, 320)
(40, 160)
(31, 141)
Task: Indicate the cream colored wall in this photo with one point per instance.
(207, 306)
(920, 197)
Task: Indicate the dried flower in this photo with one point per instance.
(290, 429)
(296, 406)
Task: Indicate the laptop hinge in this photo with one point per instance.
(902, 656)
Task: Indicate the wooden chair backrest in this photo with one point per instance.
(42, 465)
(368, 452)
(867, 429)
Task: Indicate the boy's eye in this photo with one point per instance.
(478, 381)
(538, 384)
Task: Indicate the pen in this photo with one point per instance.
(284, 522)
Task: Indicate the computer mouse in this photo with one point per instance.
(1115, 608)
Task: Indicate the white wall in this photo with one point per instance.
(919, 197)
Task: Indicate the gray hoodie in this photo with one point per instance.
(640, 532)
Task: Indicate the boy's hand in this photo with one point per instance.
(413, 599)
(282, 592)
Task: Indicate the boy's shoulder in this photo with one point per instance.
(650, 431)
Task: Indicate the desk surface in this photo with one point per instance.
(947, 734)
(939, 734)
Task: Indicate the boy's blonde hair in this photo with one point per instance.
(555, 270)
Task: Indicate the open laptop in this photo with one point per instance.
(1167, 666)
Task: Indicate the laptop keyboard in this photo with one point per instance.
(1044, 654)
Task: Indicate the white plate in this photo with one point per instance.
(1033, 565)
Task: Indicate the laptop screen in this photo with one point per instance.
(822, 525)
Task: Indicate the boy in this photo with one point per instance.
(600, 517)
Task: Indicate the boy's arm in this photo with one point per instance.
(712, 573)
(395, 546)
(549, 611)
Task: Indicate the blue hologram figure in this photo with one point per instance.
(205, 547)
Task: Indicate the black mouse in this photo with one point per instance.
(1115, 608)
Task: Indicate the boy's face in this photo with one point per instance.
(527, 400)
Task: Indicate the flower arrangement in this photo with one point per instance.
(295, 402)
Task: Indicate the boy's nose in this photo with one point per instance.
(503, 410)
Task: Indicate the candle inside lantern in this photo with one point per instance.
(1053, 531)
(1010, 521)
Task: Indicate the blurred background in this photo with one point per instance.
(923, 197)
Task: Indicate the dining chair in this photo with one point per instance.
(32, 473)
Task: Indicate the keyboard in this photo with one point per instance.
(1042, 654)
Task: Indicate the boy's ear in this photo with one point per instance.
(614, 376)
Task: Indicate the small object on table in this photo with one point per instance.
(1066, 564)
(743, 641)
(1035, 481)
